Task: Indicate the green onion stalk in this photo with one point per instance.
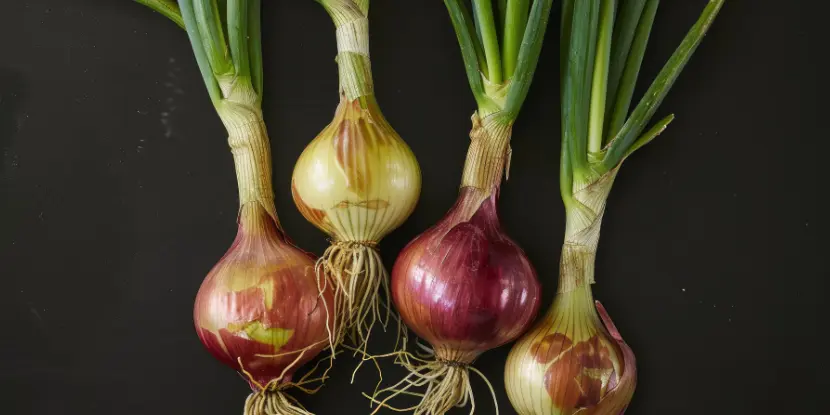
(464, 286)
(357, 181)
(259, 310)
(574, 361)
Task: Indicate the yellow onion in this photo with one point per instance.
(574, 360)
(357, 181)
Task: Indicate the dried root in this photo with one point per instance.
(273, 403)
(357, 274)
(447, 386)
(271, 399)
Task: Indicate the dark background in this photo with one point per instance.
(118, 194)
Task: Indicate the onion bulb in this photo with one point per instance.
(356, 181)
(258, 310)
(463, 286)
(575, 361)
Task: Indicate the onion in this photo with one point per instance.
(260, 310)
(577, 356)
(575, 361)
(357, 181)
(463, 285)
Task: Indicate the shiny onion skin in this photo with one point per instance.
(261, 300)
(573, 362)
(463, 285)
(357, 180)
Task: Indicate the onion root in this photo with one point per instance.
(447, 386)
(356, 271)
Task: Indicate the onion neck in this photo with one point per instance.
(352, 30)
(251, 150)
(489, 154)
(584, 212)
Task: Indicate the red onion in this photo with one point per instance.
(463, 285)
(259, 311)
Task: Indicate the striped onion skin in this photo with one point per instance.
(259, 306)
(464, 286)
(573, 362)
(357, 180)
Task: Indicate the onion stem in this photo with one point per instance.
(490, 39)
(528, 58)
(227, 45)
(251, 150)
(238, 37)
(515, 21)
(198, 50)
(471, 50)
(209, 24)
(599, 85)
(255, 45)
(352, 31)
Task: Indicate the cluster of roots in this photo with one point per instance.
(440, 384)
(356, 273)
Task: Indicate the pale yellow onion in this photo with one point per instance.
(357, 181)
(574, 360)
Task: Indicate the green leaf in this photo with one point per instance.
(483, 10)
(363, 5)
(641, 115)
(255, 45)
(566, 26)
(528, 58)
(599, 82)
(625, 27)
(650, 134)
(577, 85)
(515, 22)
(501, 5)
(238, 36)
(627, 83)
(167, 8)
(463, 25)
(196, 42)
(209, 22)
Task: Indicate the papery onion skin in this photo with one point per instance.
(261, 300)
(463, 285)
(357, 180)
(572, 362)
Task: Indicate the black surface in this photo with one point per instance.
(118, 194)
